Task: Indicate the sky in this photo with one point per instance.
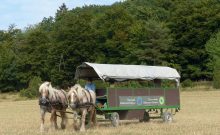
(23, 13)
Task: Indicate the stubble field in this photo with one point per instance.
(199, 115)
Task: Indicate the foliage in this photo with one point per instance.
(192, 23)
(187, 83)
(8, 59)
(216, 74)
(32, 90)
(148, 32)
(213, 48)
(150, 43)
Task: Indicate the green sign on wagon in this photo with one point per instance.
(141, 100)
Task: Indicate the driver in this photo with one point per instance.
(90, 85)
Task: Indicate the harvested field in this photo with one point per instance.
(199, 115)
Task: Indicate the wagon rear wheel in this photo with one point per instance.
(115, 119)
(167, 117)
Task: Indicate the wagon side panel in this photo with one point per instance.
(112, 99)
(141, 92)
(113, 95)
(156, 92)
(172, 97)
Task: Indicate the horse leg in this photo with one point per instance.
(64, 119)
(55, 120)
(94, 117)
(84, 112)
(52, 119)
(43, 112)
(74, 120)
(91, 113)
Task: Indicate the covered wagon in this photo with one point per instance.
(127, 102)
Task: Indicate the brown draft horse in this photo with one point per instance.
(52, 100)
(78, 98)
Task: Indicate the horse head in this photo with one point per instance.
(44, 89)
(75, 95)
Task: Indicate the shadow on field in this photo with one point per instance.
(107, 123)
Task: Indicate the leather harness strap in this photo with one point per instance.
(65, 97)
(87, 93)
(89, 99)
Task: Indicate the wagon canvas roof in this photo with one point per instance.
(121, 72)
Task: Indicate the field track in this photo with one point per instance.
(199, 115)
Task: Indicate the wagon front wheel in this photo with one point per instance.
(167, 117)
(146, 117)
(115, 119)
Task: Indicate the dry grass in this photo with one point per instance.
(13, 96)
(199, 86)
(199, 115)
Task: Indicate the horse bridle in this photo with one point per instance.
(44, 101)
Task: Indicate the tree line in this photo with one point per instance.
(178, 33)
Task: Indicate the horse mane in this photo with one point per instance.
(82, 93)
(78, 89)
(44, 86)
(51, 90)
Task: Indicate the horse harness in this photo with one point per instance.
(88, 104)
(57, 104)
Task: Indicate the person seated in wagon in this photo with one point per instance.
(90, 85)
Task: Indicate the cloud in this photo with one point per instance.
(25, 12)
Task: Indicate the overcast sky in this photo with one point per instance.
(28, 12)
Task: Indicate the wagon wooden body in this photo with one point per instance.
(133, 103)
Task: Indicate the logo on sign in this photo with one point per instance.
(161, 100)
(139, 101)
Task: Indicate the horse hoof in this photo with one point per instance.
(82, 130)
(41, 129)
(63, 127)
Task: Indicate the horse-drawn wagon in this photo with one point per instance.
(121, 103)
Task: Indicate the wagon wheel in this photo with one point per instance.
(167, 117)
(115, 119)
(146, 117)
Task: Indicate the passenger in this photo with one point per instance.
(90, 85)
